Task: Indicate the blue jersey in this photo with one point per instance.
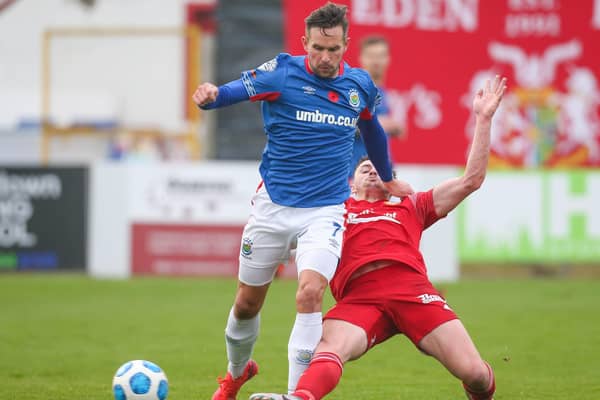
(310, 124)
(359, 150)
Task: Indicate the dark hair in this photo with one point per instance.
(371, 40)
(328, 16)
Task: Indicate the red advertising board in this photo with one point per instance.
(190, 250)
(207, 250)
(442, 50)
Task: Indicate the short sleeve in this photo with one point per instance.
(423, 202)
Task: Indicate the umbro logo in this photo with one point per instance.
(309, 89)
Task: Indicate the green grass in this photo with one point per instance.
(64, 336)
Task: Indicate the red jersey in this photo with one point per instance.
(383, 231)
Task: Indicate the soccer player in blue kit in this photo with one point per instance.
(311, 107)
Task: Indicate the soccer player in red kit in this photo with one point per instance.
(381, 285)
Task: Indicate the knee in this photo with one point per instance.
(476, 375)
(246, 307)
(310, 296)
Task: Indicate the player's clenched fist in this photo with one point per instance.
(205, 93)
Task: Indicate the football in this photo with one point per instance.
(140, 380)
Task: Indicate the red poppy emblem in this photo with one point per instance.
(333, 96)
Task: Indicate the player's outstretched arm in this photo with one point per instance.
(208, 96)
(447, 195)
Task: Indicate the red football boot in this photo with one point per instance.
(229, 387)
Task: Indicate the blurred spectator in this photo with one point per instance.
(375, 59)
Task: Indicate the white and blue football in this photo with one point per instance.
(140, 380)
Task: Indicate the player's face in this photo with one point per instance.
(375, 60)
(367, 181)
(325, 49)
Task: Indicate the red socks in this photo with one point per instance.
(325, 370)
(321, 377)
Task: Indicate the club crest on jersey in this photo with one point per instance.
(269, 66)
(246, 246)
(353, 98)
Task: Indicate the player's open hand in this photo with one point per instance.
(205, 93)
(398, 188)
(488, 98)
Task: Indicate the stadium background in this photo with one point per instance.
(104, 87)
(108, 170)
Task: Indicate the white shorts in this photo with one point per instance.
(273, 230)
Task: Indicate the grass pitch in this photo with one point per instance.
(64, 336)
